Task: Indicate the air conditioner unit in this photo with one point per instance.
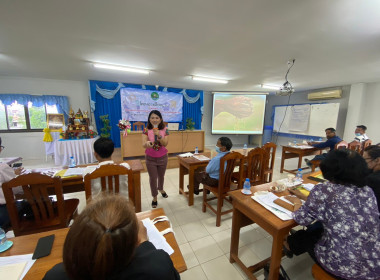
(329, 94)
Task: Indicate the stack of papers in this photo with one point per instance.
(201, 157)
(308, 187)
(267, 200)
(186, 155)
(15, 267)
(156, 237)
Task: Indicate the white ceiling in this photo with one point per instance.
(245, 41)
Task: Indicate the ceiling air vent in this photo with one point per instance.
(329, 94)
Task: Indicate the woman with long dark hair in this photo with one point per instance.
(155, 138)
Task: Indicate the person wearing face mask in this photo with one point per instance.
(360, 135)
(210, 177)
(372, 157)
(332, 140)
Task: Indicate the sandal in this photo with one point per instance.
(164, 195)
(154, 204)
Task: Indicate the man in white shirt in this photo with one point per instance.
(7, 173)
(103, 150)
(360, 135)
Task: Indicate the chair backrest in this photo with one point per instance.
(227, 165)
(36, 188)
(355, 146)
(341, 145)
(270, 149)
(138, 126)
(256, 160)
(109, 178)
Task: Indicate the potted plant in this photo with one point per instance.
(106, 129)
(190, 124)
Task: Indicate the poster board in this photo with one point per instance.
(321, 116)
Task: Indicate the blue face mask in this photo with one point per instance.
(217, 149)
(357, 134)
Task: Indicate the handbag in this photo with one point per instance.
(282, 275)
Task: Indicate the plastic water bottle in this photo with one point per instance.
(245, 149)
(3, 237)
(320, 139)
(295, 142)
(72, 162)
(299, 175)
(247, 187)
(196, 151)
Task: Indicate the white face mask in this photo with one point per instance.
(217, 149)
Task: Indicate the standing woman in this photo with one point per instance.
(155, 138)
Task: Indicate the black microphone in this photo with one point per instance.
(155, 136)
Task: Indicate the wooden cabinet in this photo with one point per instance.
(179, 142)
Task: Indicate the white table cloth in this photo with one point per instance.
(49, 146)
(82, 150)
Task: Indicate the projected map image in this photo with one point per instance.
(238, 114)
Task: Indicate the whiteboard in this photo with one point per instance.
(321, 116)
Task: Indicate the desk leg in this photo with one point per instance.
(191, 185)
(181, 178)
(137, 191)
(235, 233)
(282, 161)
(299, 160)
(276, 256)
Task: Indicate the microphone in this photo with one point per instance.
(155, 136)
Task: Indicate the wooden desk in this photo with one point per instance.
(27, 243)
(294, 152)
(188, 166)
(247, 211)
(76, 184)
(179, 142)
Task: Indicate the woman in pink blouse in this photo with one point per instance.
(155, 138)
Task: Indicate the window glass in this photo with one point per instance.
(16, 116)
(51, 109)
(37, 116)
(3, 118)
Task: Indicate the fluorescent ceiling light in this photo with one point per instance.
(211, 80)
(121, 68)
(270, 87)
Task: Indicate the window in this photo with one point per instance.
(22, 118)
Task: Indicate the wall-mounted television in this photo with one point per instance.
(238, 113)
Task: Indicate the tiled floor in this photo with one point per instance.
(204, 246)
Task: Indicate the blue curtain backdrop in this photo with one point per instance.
(105, 100)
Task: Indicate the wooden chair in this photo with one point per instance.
(355, 146)
(319, 274)
(111, 172)
(220, 192)
(138, 126)
(48, 214)
(270, 149)
(341, 145)
(257, 160)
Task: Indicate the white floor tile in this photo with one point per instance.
(194, 230)
(188, 255)
(220, 268)
(262, 248)
(195, 273)
(179, 236)
(206, 249)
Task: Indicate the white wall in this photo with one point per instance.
(370, 111)
(30, 145)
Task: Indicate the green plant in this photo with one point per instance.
(190, 124)
(106, 129)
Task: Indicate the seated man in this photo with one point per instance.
(7, 173)
(211, 176)
(332, 140)
(103, 150)
(360, 135)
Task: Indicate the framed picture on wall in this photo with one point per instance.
(55, 121)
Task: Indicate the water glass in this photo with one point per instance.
(3, 237)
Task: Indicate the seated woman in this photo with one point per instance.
(106, 241)
(372, 156)
(347, 245)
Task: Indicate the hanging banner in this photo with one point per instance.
(136, 104)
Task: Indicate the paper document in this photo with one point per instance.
(12, 271)
(23, 259)
(156, 237)
(308, 187)
(186, 155)
(73, 172)
(201, 157)
(267, 200)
